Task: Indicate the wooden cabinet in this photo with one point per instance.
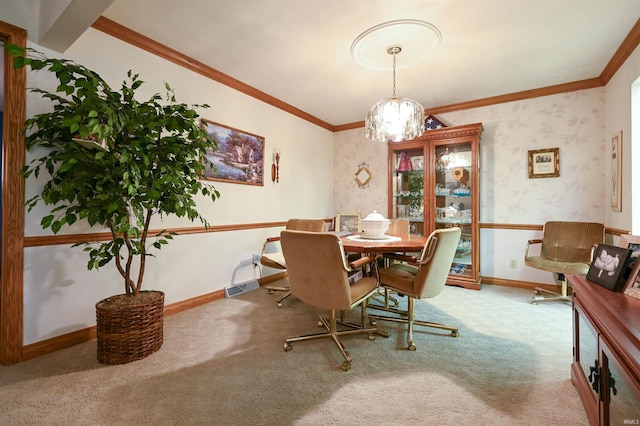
(606, 353)
(434, 182)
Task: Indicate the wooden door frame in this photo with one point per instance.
(13, 157)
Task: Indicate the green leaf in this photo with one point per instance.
(46, 221)
(71, 218)
(55, 226)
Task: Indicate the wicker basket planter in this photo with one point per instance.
(129, 328)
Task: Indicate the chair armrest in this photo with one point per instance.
(267, 242)
(529, 244)
(401, 257)
(361, 261)
(372, 261)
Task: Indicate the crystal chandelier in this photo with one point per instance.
(394, 119)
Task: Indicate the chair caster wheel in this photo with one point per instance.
(287, 347)
(412, 347)
(279, 305)
(269, 291)
(373, 323)
(455, 334)
(372, 337)
(346, 366)
(534, 302)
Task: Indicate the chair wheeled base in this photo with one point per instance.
(271, 289)
(385, 294)
(331, 325)
(404, 317)
(544, 295)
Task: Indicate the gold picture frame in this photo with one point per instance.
(362, 175)
(348, 222)
(544, 163)
(616, 172)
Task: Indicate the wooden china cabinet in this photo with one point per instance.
(434, 182)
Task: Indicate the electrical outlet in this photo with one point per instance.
(513, 263)
(256, 259)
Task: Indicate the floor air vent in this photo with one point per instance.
(239, 289)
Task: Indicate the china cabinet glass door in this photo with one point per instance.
(453, 201)
(407, 199)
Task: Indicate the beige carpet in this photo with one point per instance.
(223, 364)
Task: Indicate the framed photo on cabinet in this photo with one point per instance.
(608, 266)
(632, 286)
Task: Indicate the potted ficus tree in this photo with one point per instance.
(116, 161)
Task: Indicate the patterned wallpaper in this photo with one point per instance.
(573, 122)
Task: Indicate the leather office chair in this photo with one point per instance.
(275, 259)
(566, 248)
(425, 280)
(317, 268)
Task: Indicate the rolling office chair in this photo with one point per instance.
(318, 276)
(566, 248)
(425, 280)
(396, 227)
(273, 258)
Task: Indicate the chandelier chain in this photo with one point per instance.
(394, 74)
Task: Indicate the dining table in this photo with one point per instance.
(358, 243)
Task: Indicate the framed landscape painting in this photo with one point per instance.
(239, 157)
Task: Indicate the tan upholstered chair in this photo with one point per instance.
(272, 257)
(425, 280)
(397, 227)
(566, 248)
(318, 276)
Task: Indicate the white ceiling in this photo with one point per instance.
(299, 50)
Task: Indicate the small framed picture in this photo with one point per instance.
(632, 286)
(348, 222)
(616, 172)
(544, 163)
(608, 266)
